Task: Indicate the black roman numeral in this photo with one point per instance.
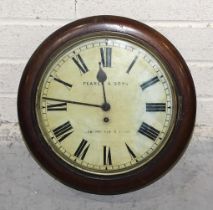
(107, 156)
(132, 64)
(82, 149)
(62, 82)
(133, 156)
(149, 83)
(106, 56)
(57, 107)
(80, 64)
(155, 107)
(148, 131)
(62, 131)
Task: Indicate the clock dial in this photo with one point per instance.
(106, 105)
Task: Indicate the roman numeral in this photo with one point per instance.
(80, 64)
(57, 107)
(149, 83)
(148, 131)
(132, 64)
(62, 131)
(106, 56)
(107, 156)
(82, 149)
(133, 156)
(155, 107)
(62, 82)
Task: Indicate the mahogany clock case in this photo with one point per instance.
(161, 48)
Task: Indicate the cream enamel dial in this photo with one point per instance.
(105, 105)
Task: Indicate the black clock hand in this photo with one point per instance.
(72, 102)
(102, 77)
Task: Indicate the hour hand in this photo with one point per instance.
(102, 77)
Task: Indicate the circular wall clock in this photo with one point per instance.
(106, 105)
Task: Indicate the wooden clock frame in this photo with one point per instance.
(184, 88)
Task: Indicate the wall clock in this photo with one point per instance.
(106, 105)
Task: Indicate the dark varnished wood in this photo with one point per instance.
(178, 71)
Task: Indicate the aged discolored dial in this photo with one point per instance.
(105, 105)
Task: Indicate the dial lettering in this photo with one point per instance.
(133, 156)
(80, 64)
(106, 56)
(155, 107)
(148, 131)
(132, 64)
(62, 82)
(62, 131)
(82, 149)
(57, 107)
(107, 156)
(149, 83)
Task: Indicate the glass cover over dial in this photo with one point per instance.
(105, 105)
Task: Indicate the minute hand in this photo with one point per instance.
(71, 102)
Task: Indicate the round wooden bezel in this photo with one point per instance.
(184, 88)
